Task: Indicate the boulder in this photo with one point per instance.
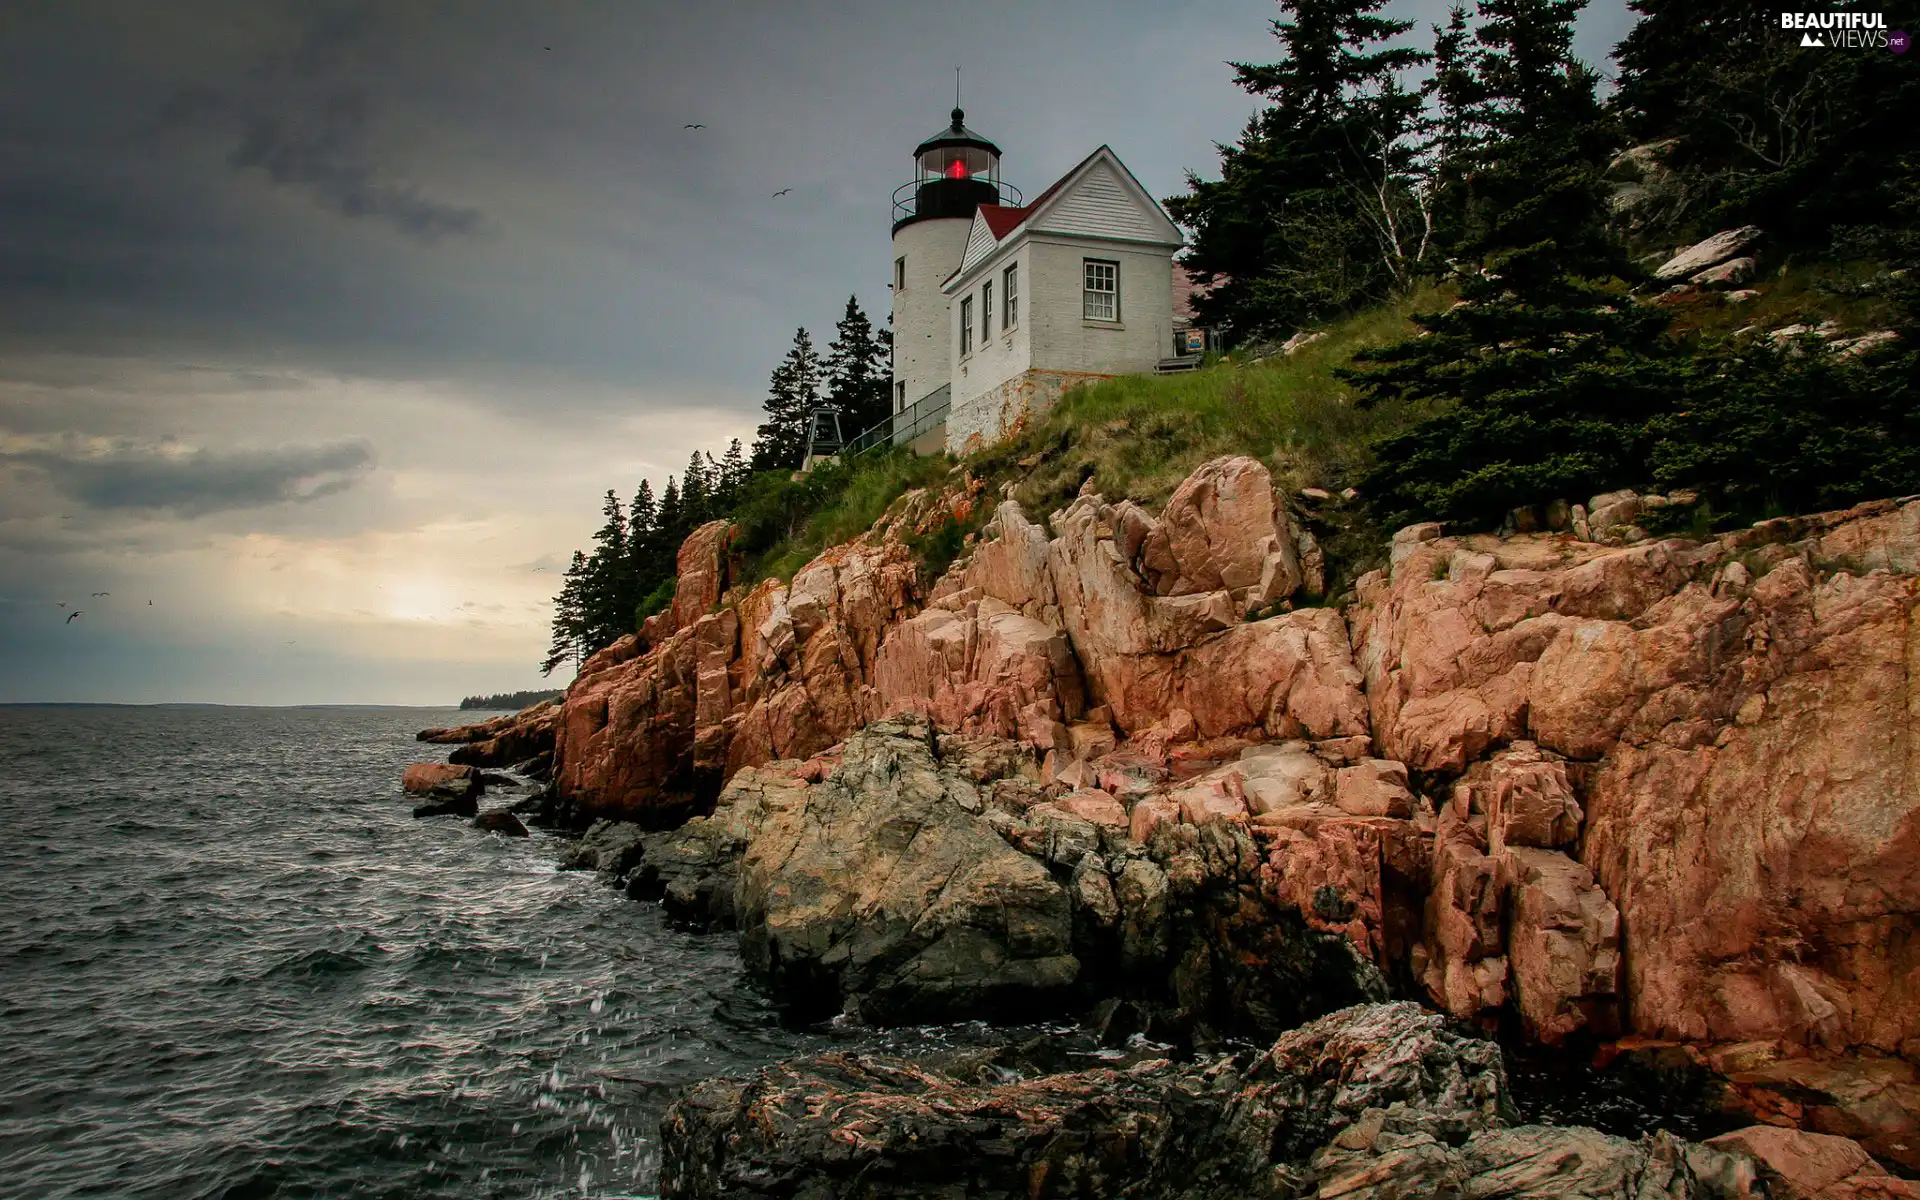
(1797, 1165)
(610, 847)
(458, 798)
(500, 821)
(883, 889)
(1729, 274)
(1714, 250)
(1563, 946)
(422, 778)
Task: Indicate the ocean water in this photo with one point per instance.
(232, 964)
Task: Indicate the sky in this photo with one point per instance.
(323, 326)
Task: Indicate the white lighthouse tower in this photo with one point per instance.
(956, 171)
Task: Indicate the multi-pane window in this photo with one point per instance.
(1010, 297)
(1102, 292)
(900, 274)
(966, 326)
(986, 310)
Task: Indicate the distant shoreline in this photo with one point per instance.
(201, 704)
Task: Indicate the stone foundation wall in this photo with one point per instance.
(990, 416)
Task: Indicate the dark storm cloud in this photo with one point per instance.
(303, 123)
(197, 482)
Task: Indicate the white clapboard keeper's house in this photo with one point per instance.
(999, 306)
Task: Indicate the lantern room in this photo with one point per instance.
(957, 171)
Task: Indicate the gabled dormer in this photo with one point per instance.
(1099, 198)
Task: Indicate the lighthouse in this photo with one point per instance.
(955, 172)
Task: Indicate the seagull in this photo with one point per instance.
(71, 616)
(781, 192)
(63, 604)
(693, 127)
(103, 593)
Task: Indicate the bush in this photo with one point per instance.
(1772, 429)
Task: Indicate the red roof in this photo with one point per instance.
(1002, 219)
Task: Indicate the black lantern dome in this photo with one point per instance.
(957, 171)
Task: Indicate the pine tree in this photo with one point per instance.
(733, 475)
(696, 502)
(610, 581)
(673, 524)
(643, 538)
(1279, 235)
(793, 394)
(1543, 382)
(1455, 93)
(1760, 131)
(569, 618)
(857, 372)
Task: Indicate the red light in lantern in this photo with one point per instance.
(957, 171)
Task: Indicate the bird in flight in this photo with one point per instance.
(70, 616)
(781, 192)
(693, 127)
(103, 593)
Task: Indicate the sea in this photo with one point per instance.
(232, 964)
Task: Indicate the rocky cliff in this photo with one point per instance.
(1653, 789)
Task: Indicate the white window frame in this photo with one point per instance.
(900, 274)
(1010, 297)
(966, 326)
(1100, 304)
(986, 310)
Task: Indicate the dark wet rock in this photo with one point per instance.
(495, 779)
(457, 798)
(610, 847)
(1377, 1101)
(539, 768)
(500, 821)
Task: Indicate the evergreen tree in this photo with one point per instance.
(793, 393)
(1454, 90)
(1543, 382)
(733, 475)
(569, 618)
(1762, 131)
(858, 374)
(1281, 236)
(610, 582)
(673, 524)
(695, 493)
(643, 539)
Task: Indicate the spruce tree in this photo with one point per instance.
(696, 502)
(1543, 381)
(1762, 131)
(569, 618)
(733, 475)
(610, 581)
(792, 395)
(673, 524)
(1455, 95)
(857, 372)
(1281, 235)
